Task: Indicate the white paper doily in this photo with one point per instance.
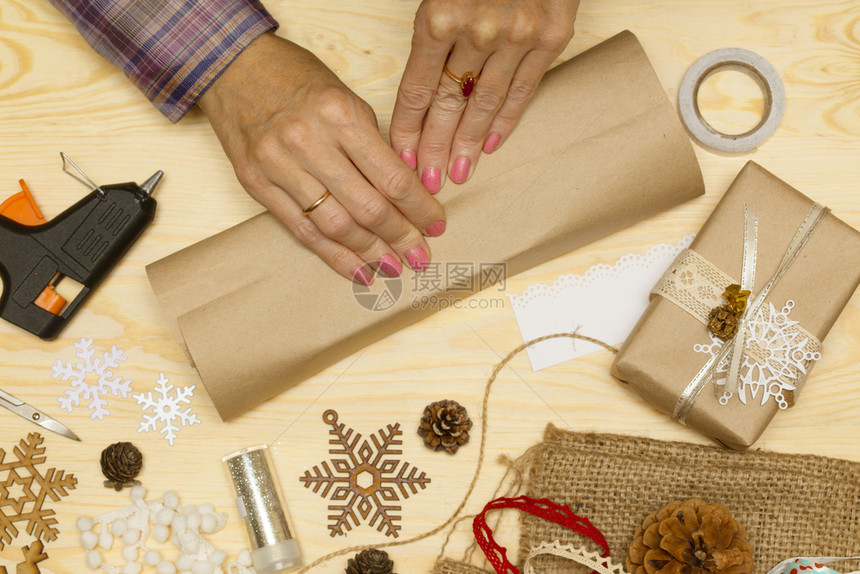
(605, 303)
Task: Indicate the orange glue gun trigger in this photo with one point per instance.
(22, 208)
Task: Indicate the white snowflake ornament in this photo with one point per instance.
(166, 409)
(777, 356)
(101, 368)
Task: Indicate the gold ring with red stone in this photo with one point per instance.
(467, 82)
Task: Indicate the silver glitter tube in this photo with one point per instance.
(273, 548)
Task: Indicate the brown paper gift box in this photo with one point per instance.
(658, 360)
(599, 148)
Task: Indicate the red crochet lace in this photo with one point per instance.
(543, 508)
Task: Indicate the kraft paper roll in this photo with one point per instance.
(600, 147)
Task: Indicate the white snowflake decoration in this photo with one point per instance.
(166, 409)
(776, 357)
(99, 367)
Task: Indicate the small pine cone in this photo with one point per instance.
(723, 322)
(121, 462)
(445, 425)
(370, 561)
(691, 537)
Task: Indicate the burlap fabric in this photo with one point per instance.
(791, 505)
(449, 566)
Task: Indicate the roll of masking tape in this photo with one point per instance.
(753, 65)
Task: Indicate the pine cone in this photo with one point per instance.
(692, 537)
(370, 561)
(723, 322)
(121, 462)
(445, 425)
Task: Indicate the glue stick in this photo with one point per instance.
(273, 548)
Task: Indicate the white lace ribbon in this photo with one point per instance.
(577, 554)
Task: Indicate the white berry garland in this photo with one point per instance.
(162, 519)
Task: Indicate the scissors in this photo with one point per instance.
(21, 408)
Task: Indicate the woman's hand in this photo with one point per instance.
(294, 132)
(438, 127)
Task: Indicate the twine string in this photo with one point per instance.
(451, 519)
(513, 468)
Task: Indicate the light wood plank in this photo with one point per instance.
(58, 95)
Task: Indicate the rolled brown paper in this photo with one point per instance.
(658, 358)
(599, 148)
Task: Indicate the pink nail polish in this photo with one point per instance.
(411, 159)
(492, 143)
(431, 178)
(436, 229)
(417, 259)
(360, 275)
(390, 266)
(460, 171)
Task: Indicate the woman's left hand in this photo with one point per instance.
(440, 125)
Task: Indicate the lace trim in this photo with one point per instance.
(578, 554)
(616, 271)
(605, 301)
(541, 507)
(694, 284)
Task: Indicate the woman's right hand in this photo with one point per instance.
(294, 131)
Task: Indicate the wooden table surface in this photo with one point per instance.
(57, 95)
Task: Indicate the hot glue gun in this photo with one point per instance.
(82, 243)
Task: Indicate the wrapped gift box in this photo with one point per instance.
(671, 343)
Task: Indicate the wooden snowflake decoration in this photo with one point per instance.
(33, 554)
(364, 478)
(23, 491)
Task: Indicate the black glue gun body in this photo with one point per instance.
(83, 243)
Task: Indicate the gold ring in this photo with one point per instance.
(467, 82)
(314, 205)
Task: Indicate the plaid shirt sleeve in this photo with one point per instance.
(172, 50)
